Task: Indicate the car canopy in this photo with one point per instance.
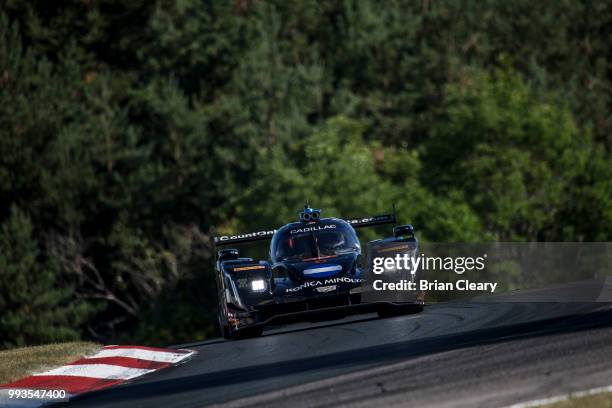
(309, 241)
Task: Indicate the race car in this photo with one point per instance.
(315, 272)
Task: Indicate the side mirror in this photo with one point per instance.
(225, 254)
(403, 231)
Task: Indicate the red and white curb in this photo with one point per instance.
(110, 366)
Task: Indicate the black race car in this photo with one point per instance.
(316, 272)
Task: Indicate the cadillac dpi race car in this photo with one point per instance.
(315, 272)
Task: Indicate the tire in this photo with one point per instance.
(229, 333)
(232, 334)
(226, 331)
(399, 310)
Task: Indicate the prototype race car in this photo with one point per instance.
(315, 272)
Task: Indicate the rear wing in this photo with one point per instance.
(371, 221)
(251, 236)
(261, 235)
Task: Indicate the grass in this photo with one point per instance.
(603, 400)
(21, 362)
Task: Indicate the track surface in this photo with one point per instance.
(456, 354)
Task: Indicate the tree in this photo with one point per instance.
(36, 306)
(516, 155)
(337, 170)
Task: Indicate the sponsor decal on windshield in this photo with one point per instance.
(314, 228)
(322, 271)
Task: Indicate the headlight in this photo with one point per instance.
(258, 285)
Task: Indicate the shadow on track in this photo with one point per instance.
(335, 323)
(276, 330)
(376, 355)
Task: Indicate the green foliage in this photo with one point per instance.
(517, 156)
(131, 131)
(336, 168)
(332, 168)
(36, 306)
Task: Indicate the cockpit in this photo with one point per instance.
(312, 241)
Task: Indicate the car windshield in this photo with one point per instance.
(315, 244)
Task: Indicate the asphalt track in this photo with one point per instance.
(455, 354)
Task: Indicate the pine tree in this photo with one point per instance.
(35, 306)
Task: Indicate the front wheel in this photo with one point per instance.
(229, 333)
(226, 331)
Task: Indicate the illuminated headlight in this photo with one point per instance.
(258, 285)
